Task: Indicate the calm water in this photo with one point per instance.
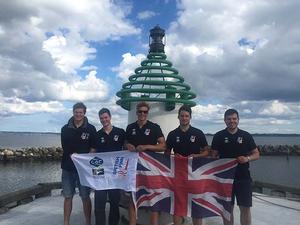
(15, 176)
(271, 169)
(270, 140)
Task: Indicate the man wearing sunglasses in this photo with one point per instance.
(143, 135)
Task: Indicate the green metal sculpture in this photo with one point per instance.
(155, 80)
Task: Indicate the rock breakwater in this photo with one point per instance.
(279, 149)
(55, 153)
(44, 153)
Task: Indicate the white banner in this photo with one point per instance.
(107, 170)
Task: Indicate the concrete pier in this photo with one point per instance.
(268, 210)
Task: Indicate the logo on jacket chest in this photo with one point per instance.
(133, 131)
(85, 136)
(192, 138)
(116, 137)
(226, 140)
(102, 139)
(239, 140)
(147, 131)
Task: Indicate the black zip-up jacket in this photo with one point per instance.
(76, 140)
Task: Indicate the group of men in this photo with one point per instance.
(79, 136)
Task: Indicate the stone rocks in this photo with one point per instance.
(55, 153)
(45, 153)
(279, 150)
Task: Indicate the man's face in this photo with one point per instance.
(142, 113)
(105, 119)
(231, 121)
(184, 118)
(78, 114)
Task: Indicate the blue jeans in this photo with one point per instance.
(70, 180)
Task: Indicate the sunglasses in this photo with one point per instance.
(142, 111)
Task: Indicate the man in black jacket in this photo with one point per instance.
(77, 136)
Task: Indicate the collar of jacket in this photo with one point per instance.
(71, 123)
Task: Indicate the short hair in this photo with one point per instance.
(79, 105)
(186, 108)
(229, 112)
(104, 110)
(143, 104)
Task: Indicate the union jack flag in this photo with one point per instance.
(193, 187)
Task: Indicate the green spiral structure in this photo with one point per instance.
(156, 81)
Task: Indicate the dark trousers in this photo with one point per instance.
(100, 202)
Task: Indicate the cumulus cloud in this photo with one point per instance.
(209, 112)
(146, 14)
(128, 65)
(88, 89)
(15, 106)
(255, 46)
(276, 108)
(255, 117)
(44, 47)
(68, 53)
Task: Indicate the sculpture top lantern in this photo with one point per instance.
(155, 80)
(157, 40)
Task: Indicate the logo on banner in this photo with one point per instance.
(120, 166)
(98, 169)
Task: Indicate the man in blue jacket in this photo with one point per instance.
(77, 136)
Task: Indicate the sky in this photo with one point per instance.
(233, 54)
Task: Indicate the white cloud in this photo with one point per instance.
(44, 44)
(227, 73)
(146, 15)
(15, 105)
(45, 47)
(89, 89)
(276, 108)
(128, 65)
(280, 122)
(209, 112)
(68, 53)
(97, 20)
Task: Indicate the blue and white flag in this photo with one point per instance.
(107, 170)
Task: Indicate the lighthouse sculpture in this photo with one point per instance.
(157, 83)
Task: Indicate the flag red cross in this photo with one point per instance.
(181, 184)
